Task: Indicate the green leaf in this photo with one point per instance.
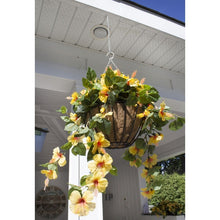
(93, 96)
(86, 83)
(177, 124)
(105, 126)
(91, 75)
(147, 96)
(153, 94)
(62, 109)
(44, 165)
(52, 166)
(114, 171)
(138, 162)
(71, 127)
(132, 99)
(79, 149)
(83, 180)
(158, 122)
(82, 131)
(140, 143)
(74, 151)
(157, 188)
(108, 81)
(92, 124)
(80, 109)
(97, 86)
(119, 81)
(65, 118)
(66, 146)
(151, 148)
(111, 97)
(153, 170)
(128, 156)
(90, 154)
(109, 76)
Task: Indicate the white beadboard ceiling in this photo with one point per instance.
(71, 22)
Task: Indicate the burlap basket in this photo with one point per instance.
(125, 126)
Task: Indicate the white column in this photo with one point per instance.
(77, 168)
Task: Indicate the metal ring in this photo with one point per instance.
(110, 55)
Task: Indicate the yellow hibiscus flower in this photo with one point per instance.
(74, 97)
(57, 156)
(103, 94)
(97, 182)
(133, 82)
(99, 143)
(150, 107)
(135, 162)
(155, 139)
(147, 192)
(123, 76)
(83, 92)
(50, 174)
(102, 115)
(75, 118)
(144, 173)
(81, 205)
(101, 163)
(75, 140)
(144, 114)
(117, 72)
(151, 161)
(146, 111)
(164, 115)
(102, 81)
(87, 141)
(134, 150)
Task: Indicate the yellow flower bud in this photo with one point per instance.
(102, 110)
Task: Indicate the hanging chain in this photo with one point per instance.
(110, 54)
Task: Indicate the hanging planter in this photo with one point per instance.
(125, 126)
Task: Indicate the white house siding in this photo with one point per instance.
(125, 204)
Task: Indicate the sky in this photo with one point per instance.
(172, 8)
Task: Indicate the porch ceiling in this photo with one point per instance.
(71, 22)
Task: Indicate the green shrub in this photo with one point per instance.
(172, 191)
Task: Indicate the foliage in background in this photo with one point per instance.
(173, 165)
(166, 207)
(172, 191)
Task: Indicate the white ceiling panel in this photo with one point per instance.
(78, 25)
(170, 54)
(153, 45)
(118, 35)
(160, 51)
(47, 17)
(38, 9)
(129, 39)
(179, 66)
(139, 45)
(63, 21)
(176, 59)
